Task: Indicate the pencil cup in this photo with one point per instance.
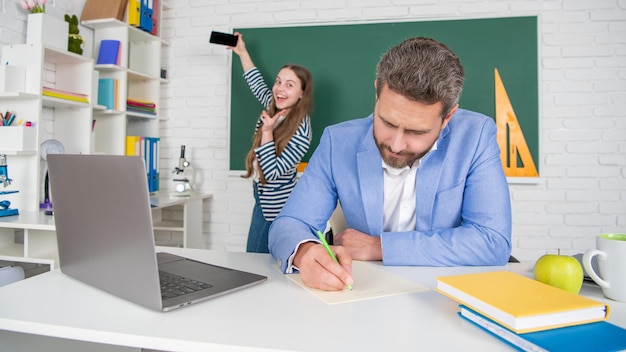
(611, 252)
(18, 138)
(47, 29)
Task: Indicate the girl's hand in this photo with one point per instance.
(241, 45)
(270, 121)
(242, 52)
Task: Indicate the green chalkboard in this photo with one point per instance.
(343, 58)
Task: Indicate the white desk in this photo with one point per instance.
(39, 240)
(277, 315)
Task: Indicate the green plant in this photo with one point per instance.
(31, 6)
(75, 40)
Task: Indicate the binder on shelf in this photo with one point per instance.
(109, 52)
(521, 303)
(147, 153)
(155, 18)
(155, 171)
(152, 162)
(153, 185)
(599, 336)
(107, 93)
(134, 11)
(145, 18)
(147, 148)
(134, 146)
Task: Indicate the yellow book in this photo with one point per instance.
(521, 303)
(65, 96)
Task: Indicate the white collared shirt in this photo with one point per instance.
(399, 197)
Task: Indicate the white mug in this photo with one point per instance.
(611, 252)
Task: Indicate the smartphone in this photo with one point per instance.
(223, 38)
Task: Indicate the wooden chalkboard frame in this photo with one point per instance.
(342, 59)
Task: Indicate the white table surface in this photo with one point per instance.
(277, 315)
(168, 199)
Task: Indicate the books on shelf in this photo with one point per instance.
(520, 303)
(144, 107)
(109, 52)
(598, 337)
(62, 94)
(108, 93)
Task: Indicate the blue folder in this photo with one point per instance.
(597, 337)
(145, 16)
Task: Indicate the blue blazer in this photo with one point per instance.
(463, 210)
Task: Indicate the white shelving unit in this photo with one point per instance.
(29, 237)
(67, 121)
(82, 128)
(139, 78)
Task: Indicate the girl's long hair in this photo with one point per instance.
(289, 126)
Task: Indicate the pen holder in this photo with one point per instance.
(12, 78)
(18, 138)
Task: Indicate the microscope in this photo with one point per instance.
(184, 176)
(5, 205)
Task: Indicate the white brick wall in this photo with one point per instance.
(582, 63)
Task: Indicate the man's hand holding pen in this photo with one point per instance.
(319, 270)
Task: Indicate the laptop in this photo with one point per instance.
(105, 236)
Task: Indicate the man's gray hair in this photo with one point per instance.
(422, 69)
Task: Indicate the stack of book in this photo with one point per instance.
(62, 94)
(531, 315)
(144, 107)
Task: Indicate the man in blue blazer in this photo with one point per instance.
(420, 181)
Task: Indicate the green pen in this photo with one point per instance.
(320, 235)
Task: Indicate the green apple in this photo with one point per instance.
(560, 271)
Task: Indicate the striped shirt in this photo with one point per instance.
(279, 171)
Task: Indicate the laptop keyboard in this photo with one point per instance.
(174, 285)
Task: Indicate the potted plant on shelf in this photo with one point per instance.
(44, 28)
(75, 40)
(38, 6)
